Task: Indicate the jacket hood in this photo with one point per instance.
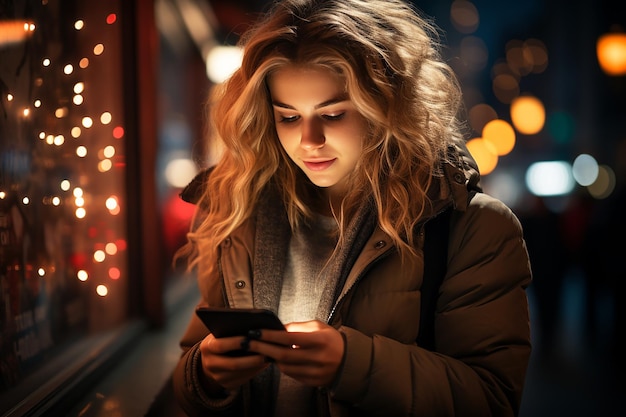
(458, 178)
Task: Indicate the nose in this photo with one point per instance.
(312, 135)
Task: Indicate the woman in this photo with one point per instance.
(341, 143)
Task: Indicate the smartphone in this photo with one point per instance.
(224, 322)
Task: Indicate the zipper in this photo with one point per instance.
(220, 271)
(356, 281)
(383, 255)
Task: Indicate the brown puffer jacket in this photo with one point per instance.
(481, 325)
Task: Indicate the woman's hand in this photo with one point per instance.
(229, 372)
(310, 352)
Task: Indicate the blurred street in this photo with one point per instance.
(575, 375)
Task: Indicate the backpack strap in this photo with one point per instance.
(435, 264)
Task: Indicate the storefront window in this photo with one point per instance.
(64, 244)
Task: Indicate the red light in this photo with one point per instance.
(114, 273)
(78, 260)
(111, 18)
(121, 244)
(118, 132)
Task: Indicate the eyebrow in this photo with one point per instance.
(332, 101)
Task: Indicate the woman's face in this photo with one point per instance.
(318, 126)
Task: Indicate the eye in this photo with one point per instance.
(334, 117)
(287, 119)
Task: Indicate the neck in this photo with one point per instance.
(330, 203)
(327, 201)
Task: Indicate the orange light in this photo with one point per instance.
(14, 31)
(611, 50)
(528, 114)
(501, 135)
(484, 153)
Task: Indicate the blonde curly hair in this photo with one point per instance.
(389, 56)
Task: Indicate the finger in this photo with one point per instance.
(228, 371)
(281, 353)
(217, 355)
(304, 340)
(306, 326)
(309, 372)
(296, 332)
(289, 339)
(224, 345)
(279, 337)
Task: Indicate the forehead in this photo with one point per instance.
(298, 81)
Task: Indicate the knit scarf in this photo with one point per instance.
(270, 252)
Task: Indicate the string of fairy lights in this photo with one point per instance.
(85, 146)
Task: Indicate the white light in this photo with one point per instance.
(111, 203)
(550, 178)
(99, 255)
(82, 275)
(109, 151)
(506, 186)
(179, 172)
(222, 61)
(105, 118)
(585, 169)
(102, 290)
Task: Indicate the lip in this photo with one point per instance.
(319, 165)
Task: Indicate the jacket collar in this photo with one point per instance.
(456, 180)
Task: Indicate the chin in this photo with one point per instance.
(322, 184)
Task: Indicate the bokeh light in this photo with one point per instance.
(611, 52)
(500, 135)
(528, 114)
(550, 178)
(585, 169)
(604, 184)
(484, 153)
